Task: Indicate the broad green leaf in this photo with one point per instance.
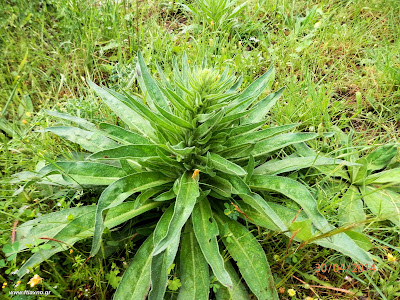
(80, 228)
(152, 88)
(303, 229)
(88, 140)
(188, 191)
(224, 165)
(360, 239)
(130, 117)
(135, 283)
(159, 270)
(147, 194)
(274, 167)
(85, 172)
(193, 268)
(206, 231)
(238, 291)
(261, 109)
(252, 137)
(122, 135)
(281, 141)
(128, 151)
(117, 192)
(249, 256)
(256, 202)
(383, 203)
(381, 157)
(208, 125)
(351, 208)
(295, 191)
(388, 176)
(79, 121)
(163, 224)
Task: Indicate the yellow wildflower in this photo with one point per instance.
(391, 258)
(4, 285)
(24, 121)
(35, 280)
(70, 251)
(291, 292)
(309, 298)
(212, 23)
(28, 114)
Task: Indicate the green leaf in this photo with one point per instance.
(88, 140)
(122, 135)
(135, 283)
(185, 200)
(117, 192)
(388, 176)
(351, 208)
(274, 167)
(238, 291)
(152, 88)
(130, 117)
(295, 191)
(206, 231)
(174, 119)
(193, 268)
(381, 157)
(159, 269)
(303, 229)
(383, 203)
(81, 122)
(81, 227)
(360, 239)
(225, 165)
(85, 173)
(249, 256)
(128, 151)
(208, 125)
(252, 137)
(281, 141)
(262, 108)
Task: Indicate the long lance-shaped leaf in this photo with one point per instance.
(174, 119)
(295, 191)
(254, 90)
(85, 172)
(225, 165)
(261, 109)
(152, 88)
(159, 270)
(128, 151)
(249, 256)
(238, 291)
(79, 121)
(117, 192)
(255, 201)
(80, 228)
(383, 203)
(252, 137)
(163, 224)
(280, 141)
(338, 242)
(122, 135)
(193, 268)
(88, 140)
(388, 176)
(297, 163)
(155, 119)
(206, 231)
(130, 117)
(188, 191)
(351, 208)
(135, 283)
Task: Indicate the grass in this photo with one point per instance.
(339, 61)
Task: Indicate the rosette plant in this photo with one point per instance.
(189, 147)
